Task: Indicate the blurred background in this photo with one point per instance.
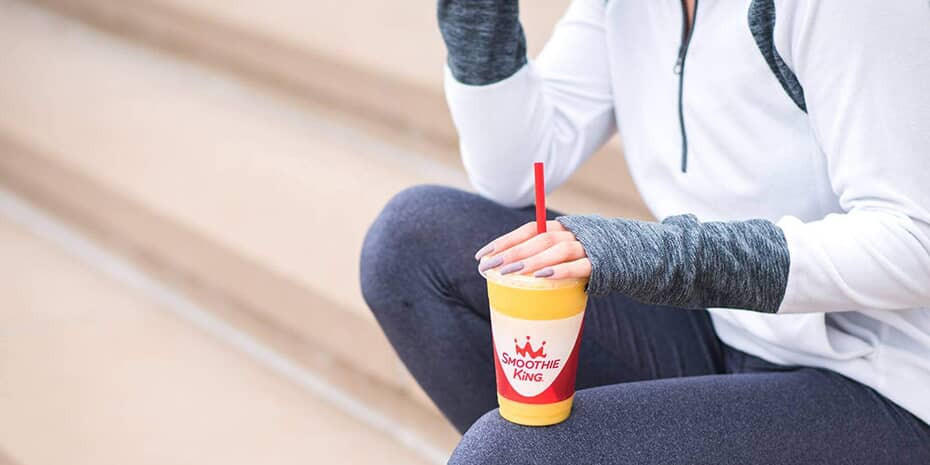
(184, 188)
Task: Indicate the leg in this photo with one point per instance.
(419, 278)
(801, 416)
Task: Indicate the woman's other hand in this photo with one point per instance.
(555, 254)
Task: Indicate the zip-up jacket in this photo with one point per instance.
(784, 144)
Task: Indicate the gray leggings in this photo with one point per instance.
(655, 384)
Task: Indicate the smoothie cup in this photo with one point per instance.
(536, 325)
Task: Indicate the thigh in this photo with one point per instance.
(625, 341)
(420, 279)
(802, 416)
(421, 249)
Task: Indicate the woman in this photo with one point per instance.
(777, 313)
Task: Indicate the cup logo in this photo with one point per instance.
(532, 353)
(527, 349)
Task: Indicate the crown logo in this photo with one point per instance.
(527, 349)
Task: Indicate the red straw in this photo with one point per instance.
(540, 197)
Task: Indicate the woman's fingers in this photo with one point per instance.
(556, 254)
(561, 252)
(517, 236)
(535, 245)
(577, 269)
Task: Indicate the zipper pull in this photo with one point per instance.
(680, 60)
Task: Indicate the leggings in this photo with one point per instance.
(655, 384)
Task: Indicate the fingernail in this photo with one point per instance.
(484, 251)
(490, 263)
(544, 273)
(512, 268)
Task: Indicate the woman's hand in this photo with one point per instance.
(554, 254)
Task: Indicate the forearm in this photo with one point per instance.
(484, 39)
(685, 263)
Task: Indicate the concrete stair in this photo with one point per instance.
(374, 66)
(220, 190)
(239, 152)
(100, 369)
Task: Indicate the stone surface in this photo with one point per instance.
(230, 191)
(96, 373)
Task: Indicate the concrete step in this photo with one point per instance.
(101, 366)
(375, 57)
(375, 65)
(236, 197)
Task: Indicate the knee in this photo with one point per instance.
(403, 232)
(601, 425)
(415, 213)
(489, 441)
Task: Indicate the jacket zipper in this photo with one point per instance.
(679, 69)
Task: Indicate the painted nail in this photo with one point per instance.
(484, 251)
(512, 268)
(490, 263)
(544, 273)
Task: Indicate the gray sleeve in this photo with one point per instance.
(484, 39)
(685, 263)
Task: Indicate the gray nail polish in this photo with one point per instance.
(544, 273)
(490, 263)
(512, 268)
(484, 251)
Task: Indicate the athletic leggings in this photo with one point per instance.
(655, 384)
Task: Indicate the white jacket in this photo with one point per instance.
(848, 181)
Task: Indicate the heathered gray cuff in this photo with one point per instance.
(685, 263)
(484, 39)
